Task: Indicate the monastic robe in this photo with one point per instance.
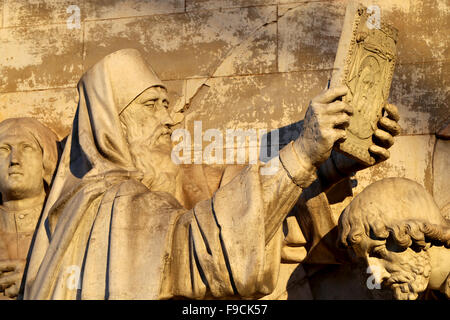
(105, 235)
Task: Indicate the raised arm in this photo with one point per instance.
(226, 245)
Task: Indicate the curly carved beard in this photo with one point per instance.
(411, 277)
(152, 157)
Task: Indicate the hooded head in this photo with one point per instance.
(28, 157)
(105, 91)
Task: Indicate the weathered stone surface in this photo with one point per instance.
(55, 108)
(256, 55)
(192, 88)
(411, 157)
(294, 2)
(441, 186)
(421, 93)
(255, 102)
(40, 57)
(308, 35)
(42, 12)
(177, 46)
(266, 102)
(108, 9)
(423, 36)
(309, 32)
(417, 21)
(1, 12)
(221, 4)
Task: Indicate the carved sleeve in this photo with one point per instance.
(231, 244)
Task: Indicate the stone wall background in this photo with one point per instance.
(232, 64)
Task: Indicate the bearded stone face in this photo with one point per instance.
(147, 126)
(403, 270)
(396, 229)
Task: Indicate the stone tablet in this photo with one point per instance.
(364, 62)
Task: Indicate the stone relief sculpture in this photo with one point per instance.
(121, 214)
(365, 62)
(402, 237)
(28, 157)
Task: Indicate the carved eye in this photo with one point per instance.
(150, 103)
(27, 147)
(4, 148)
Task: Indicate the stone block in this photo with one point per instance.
(178, 46)
(441, 176)
(420, 91)
(54, 108)
(309, 31)
(294, 2)
(39, 12)
(265, 101)
(256, 55)
(221, 4)
(309, 35)
(40, 57)
(423, 36)
(112, 9)
(411, 157)
(421, 26)
(1, 12)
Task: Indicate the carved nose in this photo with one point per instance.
(167, 120)
(14, 157)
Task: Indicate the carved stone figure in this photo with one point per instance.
(396, 228)
(123, 222)
(28, 156)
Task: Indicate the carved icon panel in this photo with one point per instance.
(365, 63)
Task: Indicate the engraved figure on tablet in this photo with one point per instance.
(369, 74)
